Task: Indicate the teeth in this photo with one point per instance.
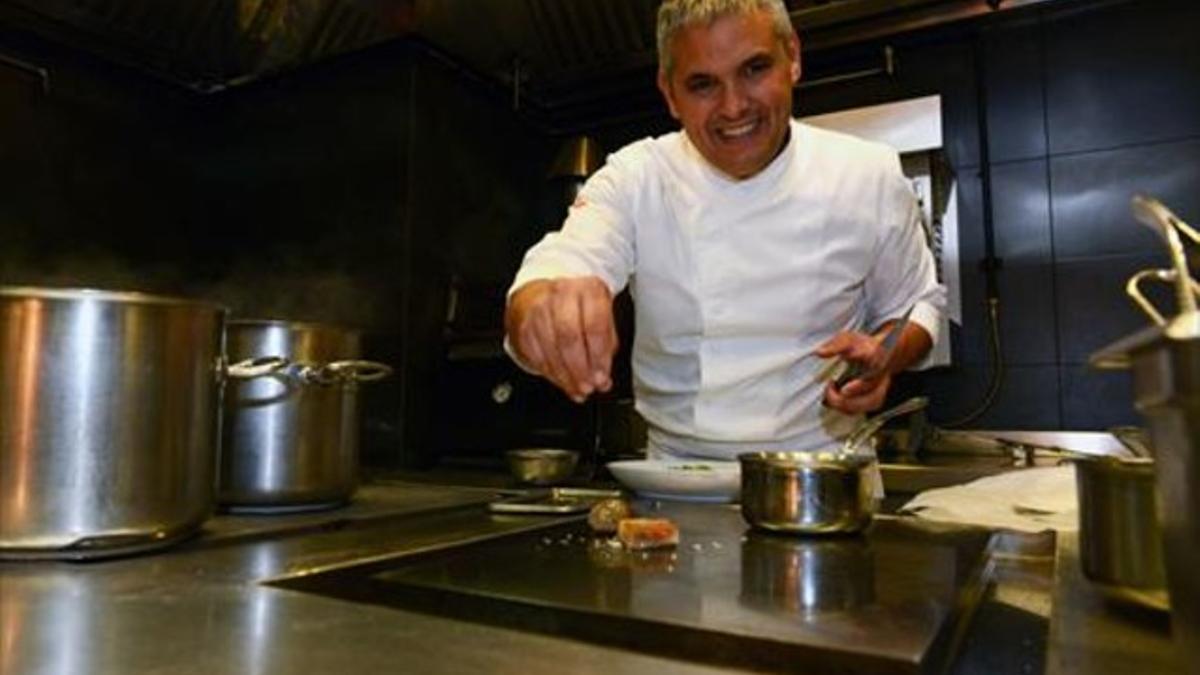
(740, 130)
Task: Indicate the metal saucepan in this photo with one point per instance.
(108, 419)
(290, 442)
(807, 492)
(1165, 365)
(832, 491)
(1120, 539)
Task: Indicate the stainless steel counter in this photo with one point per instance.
(200, 607)
(894, 599)
(1092, 634)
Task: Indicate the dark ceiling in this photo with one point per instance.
(554, 58)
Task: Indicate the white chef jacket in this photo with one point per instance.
(736, 282)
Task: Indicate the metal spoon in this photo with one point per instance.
(873, 424)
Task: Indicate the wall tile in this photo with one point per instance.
(1093, 309)
(1097, 400)
(1122, 74)
(1028, 325)
(1015, 102)
(969, 340)
(1025, 282)
(1028, 397)
(1028, 321)
(1021, 212)
(949, 70)
(1090, 196)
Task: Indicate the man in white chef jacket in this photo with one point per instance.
(755, 247)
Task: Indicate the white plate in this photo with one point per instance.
(680, 480)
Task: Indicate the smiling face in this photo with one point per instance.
(731, 89)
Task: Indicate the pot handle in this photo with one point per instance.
(255, 367)
(346, 371)
(1168, 276)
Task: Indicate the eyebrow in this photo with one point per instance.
(761, 57)
(765, 55)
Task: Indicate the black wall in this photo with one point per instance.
(354, 191)
(350, 192)
(1084, 107)
(93, 173)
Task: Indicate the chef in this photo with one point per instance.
(755, 248)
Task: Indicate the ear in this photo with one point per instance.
(664, 86)
(793, 49)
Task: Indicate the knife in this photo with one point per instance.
(842, 371)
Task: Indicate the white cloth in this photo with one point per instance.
(1026, 500)
(736, 283)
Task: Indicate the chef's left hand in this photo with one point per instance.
(860, 395)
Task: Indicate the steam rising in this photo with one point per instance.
(249, 291)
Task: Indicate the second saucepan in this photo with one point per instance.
(290, 442)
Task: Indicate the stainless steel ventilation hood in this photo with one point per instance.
(209, 45)
(553, 53)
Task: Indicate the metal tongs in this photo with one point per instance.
(1153, 214)
(841, 371)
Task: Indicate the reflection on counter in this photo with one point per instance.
(890, 599)
(24, 618)
(807, 576)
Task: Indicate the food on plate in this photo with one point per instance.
(642, 533)
(605, 515)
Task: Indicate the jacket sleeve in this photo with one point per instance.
(597, 238)
(903, 272)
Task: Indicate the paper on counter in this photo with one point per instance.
(1027, 500)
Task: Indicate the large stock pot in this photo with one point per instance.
(290, 441)
(109, 407)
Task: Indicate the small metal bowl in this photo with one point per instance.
(542, 466)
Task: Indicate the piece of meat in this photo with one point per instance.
(605, 515)
(643, 533)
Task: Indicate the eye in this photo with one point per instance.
(700, 85)
(757, 66)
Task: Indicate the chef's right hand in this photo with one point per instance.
(564, 330)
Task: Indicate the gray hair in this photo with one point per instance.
(673, 15)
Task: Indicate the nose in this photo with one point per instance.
(734, 101)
